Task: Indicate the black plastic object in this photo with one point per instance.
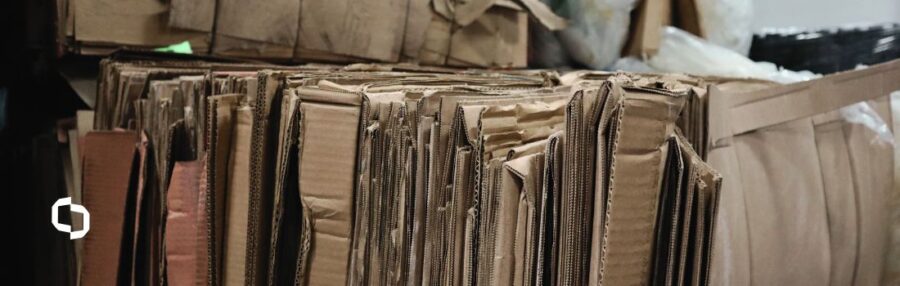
(830, 50)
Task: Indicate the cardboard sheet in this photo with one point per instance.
(108, 158)
(327, 167)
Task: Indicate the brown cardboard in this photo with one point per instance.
(384, 136)
(528, 169)
(791, 127)
(492, 132)
(141, 23)
(266, 101)
(700, 203)
(221, 114)
(573, 236)
(185, 254)
(192, 14)
(669, 218)
(364, 32)
(840, 204)
(497, 38)
(284, 252)
(139, 248)
(423, 147)
(238, 197)
(646, 28)
(686, 16)
(549, 210)
(250, 20)
(108, 158)
(327, 166)
(229, 46)
(646, 119)
(380, 174)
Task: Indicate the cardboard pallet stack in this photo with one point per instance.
(241, 174)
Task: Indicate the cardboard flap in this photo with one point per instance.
(521, 167)
(466, 13)
(803, 99)
(545, 15)
(527, 149)
(471, 117)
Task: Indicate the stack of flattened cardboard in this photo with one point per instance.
(483, 33)
(376, 174)
(387, 175)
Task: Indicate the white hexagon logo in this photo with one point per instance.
(54, 217)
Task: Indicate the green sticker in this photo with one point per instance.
(179, 48)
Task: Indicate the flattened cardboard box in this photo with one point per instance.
(285, 244)
(793, 123)
(630, 187)
(108, 158)
(138, 23)
(221, 126)
(234, 265)
(328, 152)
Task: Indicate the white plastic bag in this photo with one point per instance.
(597, 30)
(680, 51)
(727, 23)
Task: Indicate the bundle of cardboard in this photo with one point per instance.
(483, 33)
(229, 173)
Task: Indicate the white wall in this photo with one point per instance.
(822, 13)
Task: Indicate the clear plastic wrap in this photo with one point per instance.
(597, 30)
(862, 113)
(683, 52)
(727, 23)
